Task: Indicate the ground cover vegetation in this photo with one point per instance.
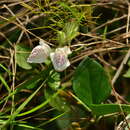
(82, 82)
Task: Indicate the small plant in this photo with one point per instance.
(59, 58)
(76, 77)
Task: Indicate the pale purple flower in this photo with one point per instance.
(60, 59)
(40, 53)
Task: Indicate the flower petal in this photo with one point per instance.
(40, 53)
(66, 50)
(59, 59)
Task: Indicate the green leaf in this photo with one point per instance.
(32, 81)
(127, 74)
(7, 70)
(42, 104)
(29, 82)
(57, 102)
(54, 80)
(12, 38)
(61, 37)
(22, 53)
(64, 121)
(22, 106)
(90, 82)
(128, 63)
(5, 83)
(69, 32)
(103, 109)
(26, 127)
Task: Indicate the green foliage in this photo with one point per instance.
(22, 52)
(70, 31)
(4, 83)
(57, 102)
(25, 127)
(72, 11)
(106, 109)
(62, 122)
(32, 81)
(34, 96)
(54, 80)
(12, 38)
(127, 74)
(6, 69)
(91, 83)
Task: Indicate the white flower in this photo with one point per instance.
(59, 58)
(40, 53)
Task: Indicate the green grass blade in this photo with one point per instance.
(28, 126)
(21, 107)
(5, 83)
(3, 67)
(41, 105)
(52, 119)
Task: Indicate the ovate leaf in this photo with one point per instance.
(22, 53)
(90, 82)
